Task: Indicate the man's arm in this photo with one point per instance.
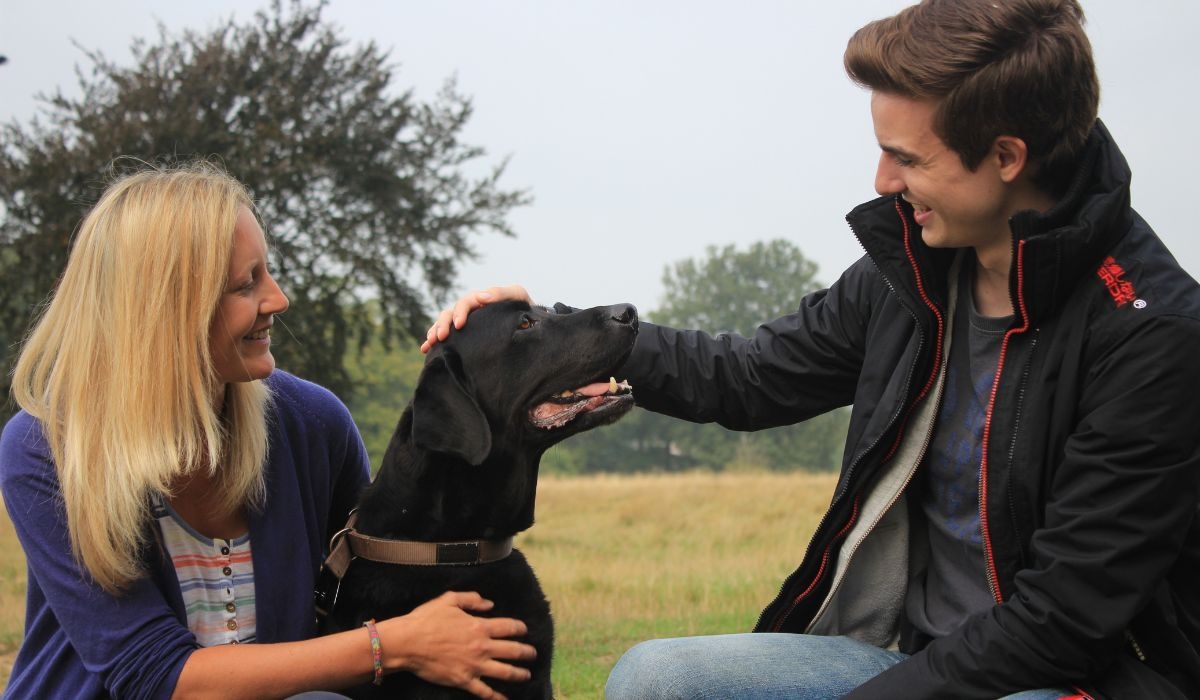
(456, 316)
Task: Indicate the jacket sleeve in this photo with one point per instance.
(1121, 503)
(133, 642)
(790, 369)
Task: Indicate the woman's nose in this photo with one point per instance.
(276, 301)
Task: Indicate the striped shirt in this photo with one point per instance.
(216, 578)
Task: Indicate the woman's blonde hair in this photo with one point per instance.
(118, 368)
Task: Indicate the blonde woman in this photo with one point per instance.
(174, 493)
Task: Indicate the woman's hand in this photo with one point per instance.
(443, 643)
(456, 316)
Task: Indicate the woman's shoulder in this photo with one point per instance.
(288, 384)
(21, 422)
(300, 397)
(23, 446)
(22, 432)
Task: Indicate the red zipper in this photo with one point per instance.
(900, 435)
(988, 551)
(820, 571)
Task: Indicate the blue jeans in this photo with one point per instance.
(755, 667)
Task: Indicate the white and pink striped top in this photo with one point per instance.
(216, 578)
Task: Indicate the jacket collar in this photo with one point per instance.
(1070, 241)
(891, 237)
(1051, 250)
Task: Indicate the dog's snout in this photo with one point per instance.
(625, 314)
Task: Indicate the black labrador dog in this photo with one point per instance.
(459, 476)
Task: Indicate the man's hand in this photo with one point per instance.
(456, 316)
(444, 643)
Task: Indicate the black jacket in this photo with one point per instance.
(1089, 494)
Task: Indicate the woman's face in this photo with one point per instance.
(240, 335)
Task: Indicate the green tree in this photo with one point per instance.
(730, 290)
(368, 195)
(384, 382)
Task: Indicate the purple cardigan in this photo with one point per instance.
(81, 642)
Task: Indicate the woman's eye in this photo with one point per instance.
(241, 288)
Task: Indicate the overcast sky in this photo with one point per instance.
(647, 130)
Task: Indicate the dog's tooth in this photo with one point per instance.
(612, 385)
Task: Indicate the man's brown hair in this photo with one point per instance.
(1020, 68)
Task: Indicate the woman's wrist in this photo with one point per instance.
(393, 643)
(376, 652)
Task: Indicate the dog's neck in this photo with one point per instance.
(434, 497)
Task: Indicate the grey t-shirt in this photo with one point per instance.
(952, 584)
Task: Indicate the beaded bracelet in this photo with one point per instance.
(376, 651)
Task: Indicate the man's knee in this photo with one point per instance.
(651, 669)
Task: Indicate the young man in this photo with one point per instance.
(1016, 512)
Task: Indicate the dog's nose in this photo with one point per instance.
(625, 314)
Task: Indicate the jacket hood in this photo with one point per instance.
(1053, 249)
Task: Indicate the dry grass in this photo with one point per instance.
(622, 559)
(633, 557)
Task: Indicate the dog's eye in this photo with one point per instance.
(526, 323)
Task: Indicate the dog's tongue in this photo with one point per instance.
(597, 389)
(557, 413)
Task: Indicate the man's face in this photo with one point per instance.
(955, 207)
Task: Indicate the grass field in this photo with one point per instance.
(622, 559)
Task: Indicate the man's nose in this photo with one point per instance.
(887, 176)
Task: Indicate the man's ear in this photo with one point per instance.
(1012, 157)
(446, 417)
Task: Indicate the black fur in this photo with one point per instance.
(463, 462)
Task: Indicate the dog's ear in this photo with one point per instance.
(446, 417)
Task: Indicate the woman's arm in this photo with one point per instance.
(440, 641)
(133, 645)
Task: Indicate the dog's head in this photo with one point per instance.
(518, 375)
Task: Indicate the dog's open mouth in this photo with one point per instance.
(564, 407)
